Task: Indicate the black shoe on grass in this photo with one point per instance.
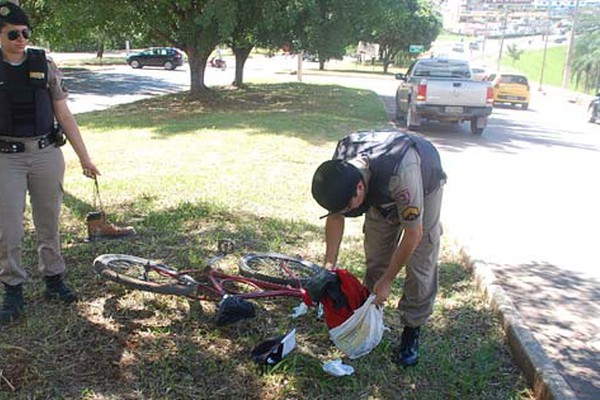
(12, 305)
(57, 289)
(409, 347)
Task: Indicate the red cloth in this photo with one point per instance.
(354, 291)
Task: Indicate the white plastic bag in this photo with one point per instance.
(360, 333)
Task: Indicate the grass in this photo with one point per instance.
(530, 64)
(94, 61)
(186, 174)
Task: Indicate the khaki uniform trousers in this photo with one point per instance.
(421, 283)
(39, 172)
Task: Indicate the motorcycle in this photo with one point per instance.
(218, 63)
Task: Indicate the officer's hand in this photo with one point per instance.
(382, 291)
(89, 169)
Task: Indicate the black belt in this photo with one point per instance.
(8, 146)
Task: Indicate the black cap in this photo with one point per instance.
(11, 13)
(334, 185)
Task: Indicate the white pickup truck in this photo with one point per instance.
(442, 89)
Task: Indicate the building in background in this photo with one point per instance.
(493, 18)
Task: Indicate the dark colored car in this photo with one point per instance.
(166, 57)
(308, 56)
(594, 109)
(560, 39)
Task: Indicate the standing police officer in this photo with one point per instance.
(32, 100)
(396, 180)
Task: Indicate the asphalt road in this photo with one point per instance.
(523, 198)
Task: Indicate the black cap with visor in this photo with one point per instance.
(334, 185)
(11, 13)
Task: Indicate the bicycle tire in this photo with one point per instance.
(269, 267)
(127, 270)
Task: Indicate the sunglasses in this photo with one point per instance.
(15, 34)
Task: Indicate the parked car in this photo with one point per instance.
(510, 89)
(166, 57)
(560, 39)
(594, 109)
(308, 56)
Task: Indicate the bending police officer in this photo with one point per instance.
(32, 100)
(396, 181)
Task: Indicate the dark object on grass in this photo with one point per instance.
(273, 350)
(233, 309)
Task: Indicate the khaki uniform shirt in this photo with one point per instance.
(55, 82)
(405, 187)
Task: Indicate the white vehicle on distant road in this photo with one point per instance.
(443, 90)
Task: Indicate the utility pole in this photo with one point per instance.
(567, 69)
(545, 49)
(502, 38)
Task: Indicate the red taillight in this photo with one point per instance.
(490, 95)
(422, 91)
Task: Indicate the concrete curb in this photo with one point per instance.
(539, 370)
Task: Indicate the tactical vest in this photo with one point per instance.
(33, 115)
(385, 151)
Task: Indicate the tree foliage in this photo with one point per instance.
(586, 54)
(76, 25)
(327, 27)
(402, 23)
(257, 23)
(514, 52)
(323, 27)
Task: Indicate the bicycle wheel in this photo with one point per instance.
(278, 268)
(142, 274)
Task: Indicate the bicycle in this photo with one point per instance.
(261, 275)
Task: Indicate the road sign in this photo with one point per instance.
(415, 48)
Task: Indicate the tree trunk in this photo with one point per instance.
(241, 55)
(197, 62)
(321, 64)
(100, 49)
(386, 63)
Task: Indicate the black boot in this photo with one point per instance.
(409, 346)
(12, 307)
(56, 289)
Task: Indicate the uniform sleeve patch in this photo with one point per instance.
(410, 213)
(402, 197)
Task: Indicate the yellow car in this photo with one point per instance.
(510, 88)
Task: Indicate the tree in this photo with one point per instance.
(514, 52)
(257, 22)
(67, 25)
(195, 26)
(586, 54)
(327, 27)
(402, 23)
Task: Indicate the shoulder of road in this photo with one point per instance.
(541, 373)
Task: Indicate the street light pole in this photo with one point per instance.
(567, 69)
